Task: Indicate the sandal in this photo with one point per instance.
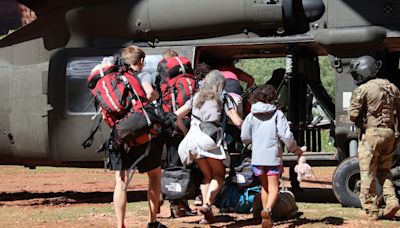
(266, 218)
(198, 201)
(207, 213)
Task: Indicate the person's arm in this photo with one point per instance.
(230, 108)
(151, 94)
(234, 116)
(180, 115)
(397, 103)
(285, 135)
(356, 106)
(245, 77)
(245, 133)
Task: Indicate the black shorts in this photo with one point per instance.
(124, 160)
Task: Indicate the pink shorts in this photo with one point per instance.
(268, 170)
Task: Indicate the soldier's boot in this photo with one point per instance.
(390, 210)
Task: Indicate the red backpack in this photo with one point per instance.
(177, 84)
(110, 86)
(123, 103)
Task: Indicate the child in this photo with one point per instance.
(266, 128)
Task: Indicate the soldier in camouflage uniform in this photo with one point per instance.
(373, 108)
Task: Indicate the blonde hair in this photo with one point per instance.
(213, 86)
(132, 55)
(169, 53)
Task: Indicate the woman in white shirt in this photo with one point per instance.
(207, 106)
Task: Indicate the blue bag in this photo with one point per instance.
(245, 204)
(232, 198)
(228, 197)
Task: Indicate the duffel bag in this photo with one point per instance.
(178, 183)
(134, 129)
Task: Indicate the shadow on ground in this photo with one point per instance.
(231, 222)
(69, 197)
(315, 195)
(311, 195)
(336, 221)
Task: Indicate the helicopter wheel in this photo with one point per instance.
(346, 182)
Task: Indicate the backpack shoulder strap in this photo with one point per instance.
(133, 91)
(181, 65)
(226, 98)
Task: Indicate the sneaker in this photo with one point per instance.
(207, 213)
(156, 225)
(390, 210)
(266, 217)
(198, 201)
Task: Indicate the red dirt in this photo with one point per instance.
(70, 187)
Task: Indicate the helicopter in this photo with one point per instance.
(45, 105)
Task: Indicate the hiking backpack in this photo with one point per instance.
(117, 91)
(177, 82)
(123, 103)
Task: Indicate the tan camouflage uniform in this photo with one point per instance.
(373, 109)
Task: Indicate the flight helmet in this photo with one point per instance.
(364, 69)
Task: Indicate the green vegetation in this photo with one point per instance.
(327, 76)
(327, 146)
(261, 70)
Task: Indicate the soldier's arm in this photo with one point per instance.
(397, 103)
(357, 106)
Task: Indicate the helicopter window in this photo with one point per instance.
(79, 100)
(78, 97)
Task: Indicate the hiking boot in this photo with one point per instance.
(266, 217)
(207, 213)
(390, 210)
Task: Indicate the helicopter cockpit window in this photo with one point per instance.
(79, 100)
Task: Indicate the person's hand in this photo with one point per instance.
(299, 151)
(302, 169)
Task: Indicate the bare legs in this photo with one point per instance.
(153, 193)
(269, 191)
(213, 171)
(120, 195)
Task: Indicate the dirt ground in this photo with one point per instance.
(73, 197)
